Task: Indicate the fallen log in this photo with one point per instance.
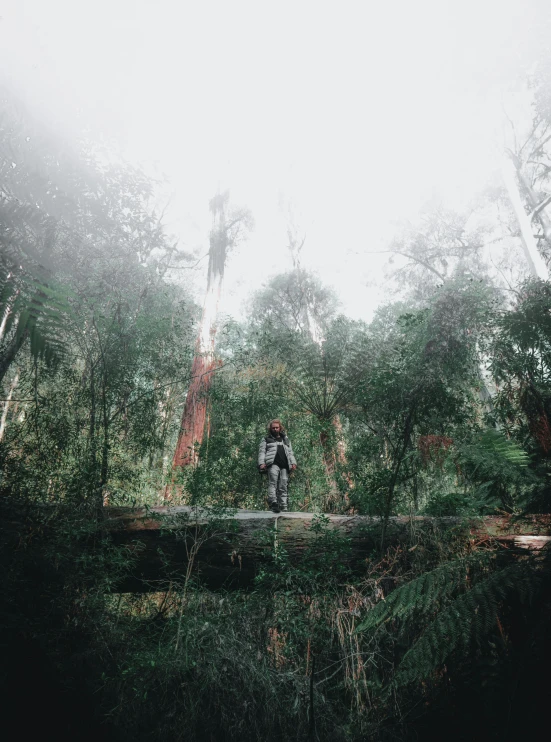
(226, 549)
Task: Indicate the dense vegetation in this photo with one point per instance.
(440, 406)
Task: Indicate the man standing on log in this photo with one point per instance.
(275, 455)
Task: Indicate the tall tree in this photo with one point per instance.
(420, 381)
(526, 168)
(322, 378)
(59, 209)
(229, 226)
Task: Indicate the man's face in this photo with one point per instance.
(276, 429)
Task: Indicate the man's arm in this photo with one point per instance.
(262, 454)
(291, 457)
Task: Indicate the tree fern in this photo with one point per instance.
(323, 377)
(467, 619)
(461, 619)
(32, 304)
(422, 595)
(497, 467)
(35, 306)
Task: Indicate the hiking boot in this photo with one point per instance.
(274, 507)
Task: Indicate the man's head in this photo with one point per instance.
(276, 428)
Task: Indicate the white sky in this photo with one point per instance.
(357, 112)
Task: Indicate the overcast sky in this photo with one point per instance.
(354, 112)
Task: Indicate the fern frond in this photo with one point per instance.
(422, 595)
(471, 616)
(493, 441)
(37, 308)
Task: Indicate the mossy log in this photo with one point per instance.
(228, 548)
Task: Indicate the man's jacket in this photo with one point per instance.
(268, 449)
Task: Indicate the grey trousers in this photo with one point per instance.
(278, 480)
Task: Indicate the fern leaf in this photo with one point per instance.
(493, 441)
(468, 618)
(422, 595)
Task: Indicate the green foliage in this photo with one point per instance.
(504, 450)
(324, 565)
(461, 601)
(497, 470)
(322, 378)
(520, 363)
(294, 302)
(421, 596)
(37, 308)
(421, 380)
(468, 619)
(80, 284)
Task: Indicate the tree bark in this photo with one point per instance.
(104, 471)
(511, 172)
(334, 455)
(93, 481)
(195, 412)
(9, 355)
(234, 547)
(329, 462)
(195, 409)
(7, 403)
(397, 465)
(537, 211)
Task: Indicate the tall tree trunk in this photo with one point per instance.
(7, 405)
(334, 456)
(11, 351)
(341, 455)
(512, 176)
(195, 409)
(330, 463)
(7, 314)
(408, 428)
(104, 472)
(195, 412)
(92, 479)
(538, 209)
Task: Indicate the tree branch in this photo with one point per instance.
(411, 257)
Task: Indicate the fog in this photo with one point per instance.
(351, 116)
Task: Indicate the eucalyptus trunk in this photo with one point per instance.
(104, 472)
(12, 349)
(7, 404)
(513, 176)
(195, 409)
